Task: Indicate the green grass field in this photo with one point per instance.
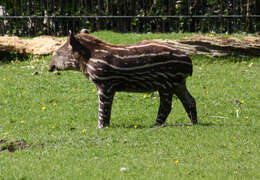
(49, 121)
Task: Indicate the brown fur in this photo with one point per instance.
(143, 67)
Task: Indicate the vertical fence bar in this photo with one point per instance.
(125, 22)
(81, 13)
(15, 21)
(98, 5)
(15, 8)
(3, 20)
(169, 13)
(131, 14)
(73, 10)
(188, 13)
(252, 18)
(66, 21)
(35, 20)
(22, 14)
(257, 12)
(234, 13)
(11, 23)
(208, 20)
(226, 19)
(255, 19)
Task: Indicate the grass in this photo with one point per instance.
(120, 38)
(50, 122)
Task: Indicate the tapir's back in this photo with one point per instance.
(140, 67)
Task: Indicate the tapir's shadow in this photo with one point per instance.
(139, 126)
(188, 124)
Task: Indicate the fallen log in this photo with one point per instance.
(42, 45)
(196, 45)
(217, 46)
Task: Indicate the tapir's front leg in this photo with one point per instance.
(105, 105)
(165, 106)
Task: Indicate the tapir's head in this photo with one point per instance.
(63, 58)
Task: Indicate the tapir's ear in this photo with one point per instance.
(77, 48)
(72, 39)
(84, 31)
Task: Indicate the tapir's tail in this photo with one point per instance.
(191, 67)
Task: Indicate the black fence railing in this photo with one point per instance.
(57, 17)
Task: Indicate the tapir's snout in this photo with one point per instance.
(63, 59)
(52, 67)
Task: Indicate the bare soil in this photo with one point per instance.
(14, 145)
(11, 145)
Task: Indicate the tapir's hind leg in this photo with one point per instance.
(165, 106)
(188, 102)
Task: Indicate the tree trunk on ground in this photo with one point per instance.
(210, 46)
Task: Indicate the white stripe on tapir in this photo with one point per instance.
(112, 86)
(160, 84)
(101, 50)
(118, 77)
(162, 74)
(176, 74)
(145, 45)
(118, 48)
(101, 93)
(139, 56)
(137, 67)
(142, 55)
(91, 67)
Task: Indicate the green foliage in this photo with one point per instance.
(50, 123)
(129, 8)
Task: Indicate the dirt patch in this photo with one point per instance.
(12, 145)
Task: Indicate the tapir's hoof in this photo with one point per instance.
(100, 126)
(158, 124)
(194, 122)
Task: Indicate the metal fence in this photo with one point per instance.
(57, 17)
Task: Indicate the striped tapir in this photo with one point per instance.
(144, 67)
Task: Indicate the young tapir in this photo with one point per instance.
(144, 67)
